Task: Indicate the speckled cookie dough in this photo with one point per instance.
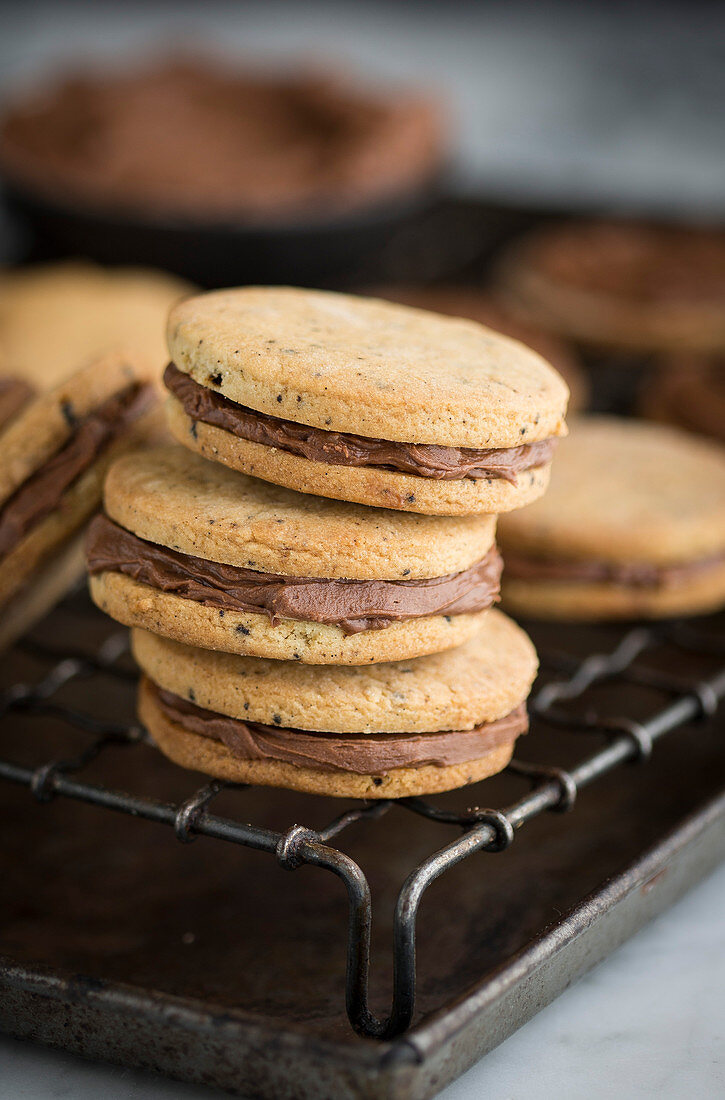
(480, 681)
(479, 304)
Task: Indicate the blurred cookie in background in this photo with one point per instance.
(688, 391)
(477, 304)
(620, 286)
(55, 317)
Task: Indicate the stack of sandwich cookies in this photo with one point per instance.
(384, 731)
(360, 454)
(54, 451)
(633, 525)
(363, 400)
(208, 556)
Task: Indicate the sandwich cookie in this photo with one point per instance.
(621, 286)
(363, 400)
(386, 731)
(210, 557)
(54, 453)
(633, 525)
(480, 305)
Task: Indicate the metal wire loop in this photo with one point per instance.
(707, 698)
(636, 732)
(568, 789)
(289, 854)
(43, 782)
(501, 826)
(189, 812)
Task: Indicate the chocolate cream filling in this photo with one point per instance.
(14, 395)
(628, 574)
(362, 753)
(342, 449)
(42, 493)
(352, 605)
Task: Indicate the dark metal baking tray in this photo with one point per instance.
(207, 962)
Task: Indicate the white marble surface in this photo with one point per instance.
(649, 1021)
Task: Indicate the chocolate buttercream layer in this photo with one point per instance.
(352, 605)
(628, 574)
(364, 754)
(343, 449)
(43, 491)
(14, 395)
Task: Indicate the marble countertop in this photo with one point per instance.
(649, 1021)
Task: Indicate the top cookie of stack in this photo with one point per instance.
(362, 400)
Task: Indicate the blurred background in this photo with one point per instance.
(564, 104)
(387, 147)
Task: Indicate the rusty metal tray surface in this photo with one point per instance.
(441, 925)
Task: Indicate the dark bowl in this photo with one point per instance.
(312, 252)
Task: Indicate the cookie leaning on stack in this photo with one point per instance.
(386, 731)
(363, 400)
(208, 556)
(54, 451)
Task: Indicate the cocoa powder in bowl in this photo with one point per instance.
(194, 139)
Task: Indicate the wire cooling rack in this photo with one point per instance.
(567, 702)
